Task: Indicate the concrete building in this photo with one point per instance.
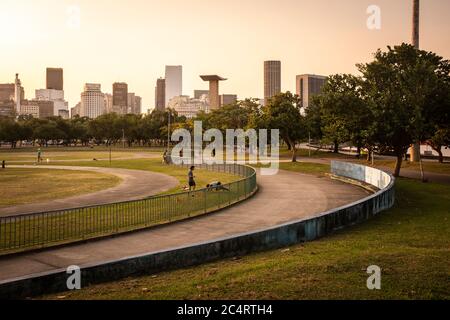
(92, 101)
(75, 111)
(41, 109)
(308, 85)
(160, 94)
(108, 103)
(174, 82)
(272, 79)
(214, 98)
(120, 97)
(137, 105)
(65, 114)
(7, 108)
(7, 92)
(188, 107)
(134, 104)
(55, 79)
(199, 93)
(227, 99)
(56, 96)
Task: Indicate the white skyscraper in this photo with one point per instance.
(174, 82)
(92, 101)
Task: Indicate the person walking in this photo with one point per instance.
(192, 184)
(39, 155)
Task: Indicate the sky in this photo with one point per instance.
(107, 41)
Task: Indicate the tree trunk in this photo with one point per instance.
(294, 154)
(441, 156)
(336, 147)
(398, 165)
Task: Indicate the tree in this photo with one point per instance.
(283, 113)
(401, 85)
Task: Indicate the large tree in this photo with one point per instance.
(401, 86)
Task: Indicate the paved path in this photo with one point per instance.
(285, 197)
(135, 185)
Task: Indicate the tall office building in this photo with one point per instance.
(272, 79)
(120, 97)
(174, 82)
(41, 109)
(56, 96)
(11, 97)
(108, 103)
(134, 103)
(55, 78)
(309, 85)
(160, 94)
(92, 101)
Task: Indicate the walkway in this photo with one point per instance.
(135, 185)
(285, 197)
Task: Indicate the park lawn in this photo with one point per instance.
(203, 177)
(410, 242)
(22, 186)
(62, 156)
(428, 166)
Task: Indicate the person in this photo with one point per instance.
(165, 157)
(192, 184)
(39, 155)
(217, 186)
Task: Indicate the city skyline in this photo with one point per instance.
(306, 37)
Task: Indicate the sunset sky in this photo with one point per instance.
(131, 41)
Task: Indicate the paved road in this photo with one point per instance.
(282, 198)
(135, 185)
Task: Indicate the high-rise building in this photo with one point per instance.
(75, 111)
(131, 102)
(309, 85)
(108, 103)
(137, 105)
(7, 91)
(199, 93)
(92, 101)
(227, 99)
(187, 107)
(55, 79)
(7, 108)
(174, 82)
(41, 109)
(120, 97)
(160, 94)
(214, 98)
(272, 79)
(56, 96)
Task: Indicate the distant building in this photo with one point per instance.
(56, 96)
(92, 101)
(272, 79)
(309, 85)
(227, 99)
(75, 111)
(137, 105)
(55, 79)
(188, 107)
(160, 94)
(199, 93)
(174, 82)
(120, 97)
(214, 98)
(108, 103)
(41, 109)
(64, 114)
(7, 108)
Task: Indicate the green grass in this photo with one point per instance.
(411, 243)
(23, 186)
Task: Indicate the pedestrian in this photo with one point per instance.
(39, 155)
(192, 184)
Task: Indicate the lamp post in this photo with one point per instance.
(415, 148)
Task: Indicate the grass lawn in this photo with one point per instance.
(411, 243)
(21, 186)
(62, 155)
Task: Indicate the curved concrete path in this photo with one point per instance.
(135, 185)
(282, 198)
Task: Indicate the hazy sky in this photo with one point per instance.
(132, 40)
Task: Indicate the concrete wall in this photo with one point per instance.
(276, 237)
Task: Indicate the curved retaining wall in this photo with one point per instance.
(276, 237)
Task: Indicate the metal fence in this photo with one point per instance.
(46, 229)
